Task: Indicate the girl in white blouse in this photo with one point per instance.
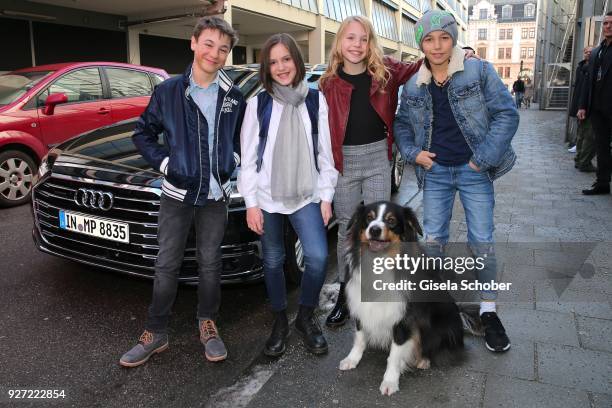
(288, 172)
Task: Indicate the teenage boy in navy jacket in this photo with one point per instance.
(199, 114)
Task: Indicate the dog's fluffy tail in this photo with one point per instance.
(471, 320)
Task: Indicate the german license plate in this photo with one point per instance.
(94, 226)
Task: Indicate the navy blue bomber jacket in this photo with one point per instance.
(184, 158)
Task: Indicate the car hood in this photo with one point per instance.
(105, 154)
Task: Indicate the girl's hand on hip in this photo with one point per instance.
(255, 220)
(326, 211)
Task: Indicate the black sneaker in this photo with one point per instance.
(495, 334)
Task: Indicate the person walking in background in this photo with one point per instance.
(595, 105)
(585, 141)
(199, 114)
(518, 87)
(288, 170)
(455, 125)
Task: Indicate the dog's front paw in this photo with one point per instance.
(348, 364)
(424, 364)
(389, 387)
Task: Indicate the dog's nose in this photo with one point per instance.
(375, 231)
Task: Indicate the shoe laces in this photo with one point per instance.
(208, 330)
(146, 338)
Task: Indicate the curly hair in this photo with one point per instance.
(374, 57)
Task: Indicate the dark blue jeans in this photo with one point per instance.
(174, 222)
(308, 224)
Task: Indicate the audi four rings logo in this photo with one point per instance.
(95, 199)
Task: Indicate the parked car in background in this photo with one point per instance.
(43, 106)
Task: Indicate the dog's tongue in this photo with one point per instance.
(378, 245)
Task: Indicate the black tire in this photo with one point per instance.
(294, 257)
(17, 170)
(397, 171)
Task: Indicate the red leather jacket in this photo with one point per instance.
(338, 96)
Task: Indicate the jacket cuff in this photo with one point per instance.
(250, 202)
(482, 165)
(327, 195)
(163, 167)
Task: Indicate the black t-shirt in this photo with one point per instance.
(447, 141)
(602, 82)
(364, 125)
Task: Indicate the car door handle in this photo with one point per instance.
(103, 111)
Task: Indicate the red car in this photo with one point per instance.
(45, 105)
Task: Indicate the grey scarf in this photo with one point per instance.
(292, 178)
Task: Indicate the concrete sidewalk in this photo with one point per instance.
(559, 319)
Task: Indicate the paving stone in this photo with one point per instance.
(601, 400)
(595, 334)
(539, 325)
(514, 393)
(574, 367)
(555, 295)
(517, 362)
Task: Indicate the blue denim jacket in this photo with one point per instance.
(483, 108)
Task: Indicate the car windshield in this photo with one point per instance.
(14, 85)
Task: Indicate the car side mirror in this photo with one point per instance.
(53, 100)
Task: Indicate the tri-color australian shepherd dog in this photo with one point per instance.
(416, 330)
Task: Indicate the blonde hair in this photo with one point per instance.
(374, 57)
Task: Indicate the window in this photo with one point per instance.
(483, 14)
(524, 33)
(500, 53)
(83, 85)
(157, 79)
(125, 83)
(508, 53)
(506, 12)
(482, 52)
(532, 33)
(500, 72)
(482, 33)
(530, 52)
(523, 53)
(509, 34)
(529, 10)
(507, 72)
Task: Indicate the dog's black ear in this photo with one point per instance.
(359, 212)
(411, 222)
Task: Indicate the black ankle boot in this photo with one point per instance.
(339, 314)
(275, 346)
(307, 325)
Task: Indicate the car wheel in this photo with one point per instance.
(397, 171)
(294, 257)
(17, 171)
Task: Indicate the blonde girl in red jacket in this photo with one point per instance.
(361, 88)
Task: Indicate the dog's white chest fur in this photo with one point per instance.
(376, 318)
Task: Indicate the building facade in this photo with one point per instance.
(504, 33)
(554, 52)
(156, 33)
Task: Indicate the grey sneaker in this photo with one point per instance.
(214, 349)
(148, 344)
